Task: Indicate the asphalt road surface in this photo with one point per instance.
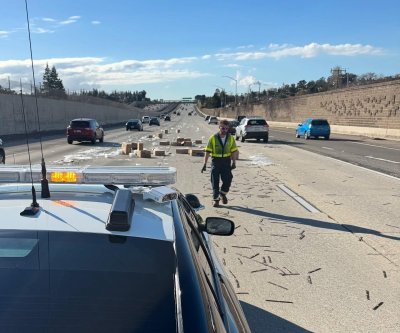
(316, 246)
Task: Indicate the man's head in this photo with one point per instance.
(223, 126)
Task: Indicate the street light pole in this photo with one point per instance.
(230, 77)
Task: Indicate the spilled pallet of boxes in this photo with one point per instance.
(183, 145)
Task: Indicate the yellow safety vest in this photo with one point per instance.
(217, 149)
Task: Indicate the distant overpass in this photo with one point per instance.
(183, 100)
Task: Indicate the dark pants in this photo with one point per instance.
(221, 167)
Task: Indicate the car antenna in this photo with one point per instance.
(44, 182)
(33, 209)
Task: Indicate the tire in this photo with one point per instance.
(127, 129)
(297, 134)
(326, 137)
(93, 141)
(70, 141)
(2, 156)
(266, 139)
(102, 138)
(242, 139)
(258, 140)
(306, 136)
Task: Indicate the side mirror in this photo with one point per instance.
(219, 226)
(299, 124)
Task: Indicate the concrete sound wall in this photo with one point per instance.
(375, 108)
(55, 114)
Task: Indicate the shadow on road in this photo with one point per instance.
(261, 321)
(312, 223)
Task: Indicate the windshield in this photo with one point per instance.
(319, 122)
(96, 281)
(80, 124)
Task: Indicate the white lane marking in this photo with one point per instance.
(382, 159)
(357, 166)
(368, 144)
(328, 148)
(299, 199)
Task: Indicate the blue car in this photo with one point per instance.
(313, 128)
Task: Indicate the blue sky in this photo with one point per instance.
(175, 48)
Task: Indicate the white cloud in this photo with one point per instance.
(311, 50)
(232, 65)
(69, 20)
(206, 56)
(245, 47)
(48, 19)
(247, 80)
(95, 22)
(4, 34)
(89, 72)
(42, 31)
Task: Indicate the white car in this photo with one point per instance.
(145, 119)
(213, 120)
(252, 128)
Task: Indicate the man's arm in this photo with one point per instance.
(206, 157)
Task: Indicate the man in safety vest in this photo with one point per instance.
(222, 148)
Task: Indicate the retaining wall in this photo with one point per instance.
(55, 114)
(367, 109)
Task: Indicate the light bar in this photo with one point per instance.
(160, 194)
(118, 175)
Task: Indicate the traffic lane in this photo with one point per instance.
(383, 157)
(303, 269)
(58, 151)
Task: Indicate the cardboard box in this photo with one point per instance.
(198, 142)
(182, 150)
(187, 143)
(178, 131)
(180, 140)
(144, 153)
(175, 143)
(164, 143)
(140, 146)
(134, 145)
(196, 152)
(126, 148)
(159, 135)
(159, 152)
(166, 131)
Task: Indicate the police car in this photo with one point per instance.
(112, 249)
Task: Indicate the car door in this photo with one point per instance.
(235, 318)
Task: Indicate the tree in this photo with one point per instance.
(52, 84)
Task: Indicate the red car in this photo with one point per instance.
(84, 129)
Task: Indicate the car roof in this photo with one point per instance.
(83, 119)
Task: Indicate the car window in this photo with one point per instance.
(256, 122)
(319, 122)
(100, 276)
(80, 124)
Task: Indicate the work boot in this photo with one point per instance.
(224, 199)
(216, 203)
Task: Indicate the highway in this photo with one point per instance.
(317, 240)
(379, 155)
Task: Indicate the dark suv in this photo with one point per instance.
(84, 129)
(134, 124)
